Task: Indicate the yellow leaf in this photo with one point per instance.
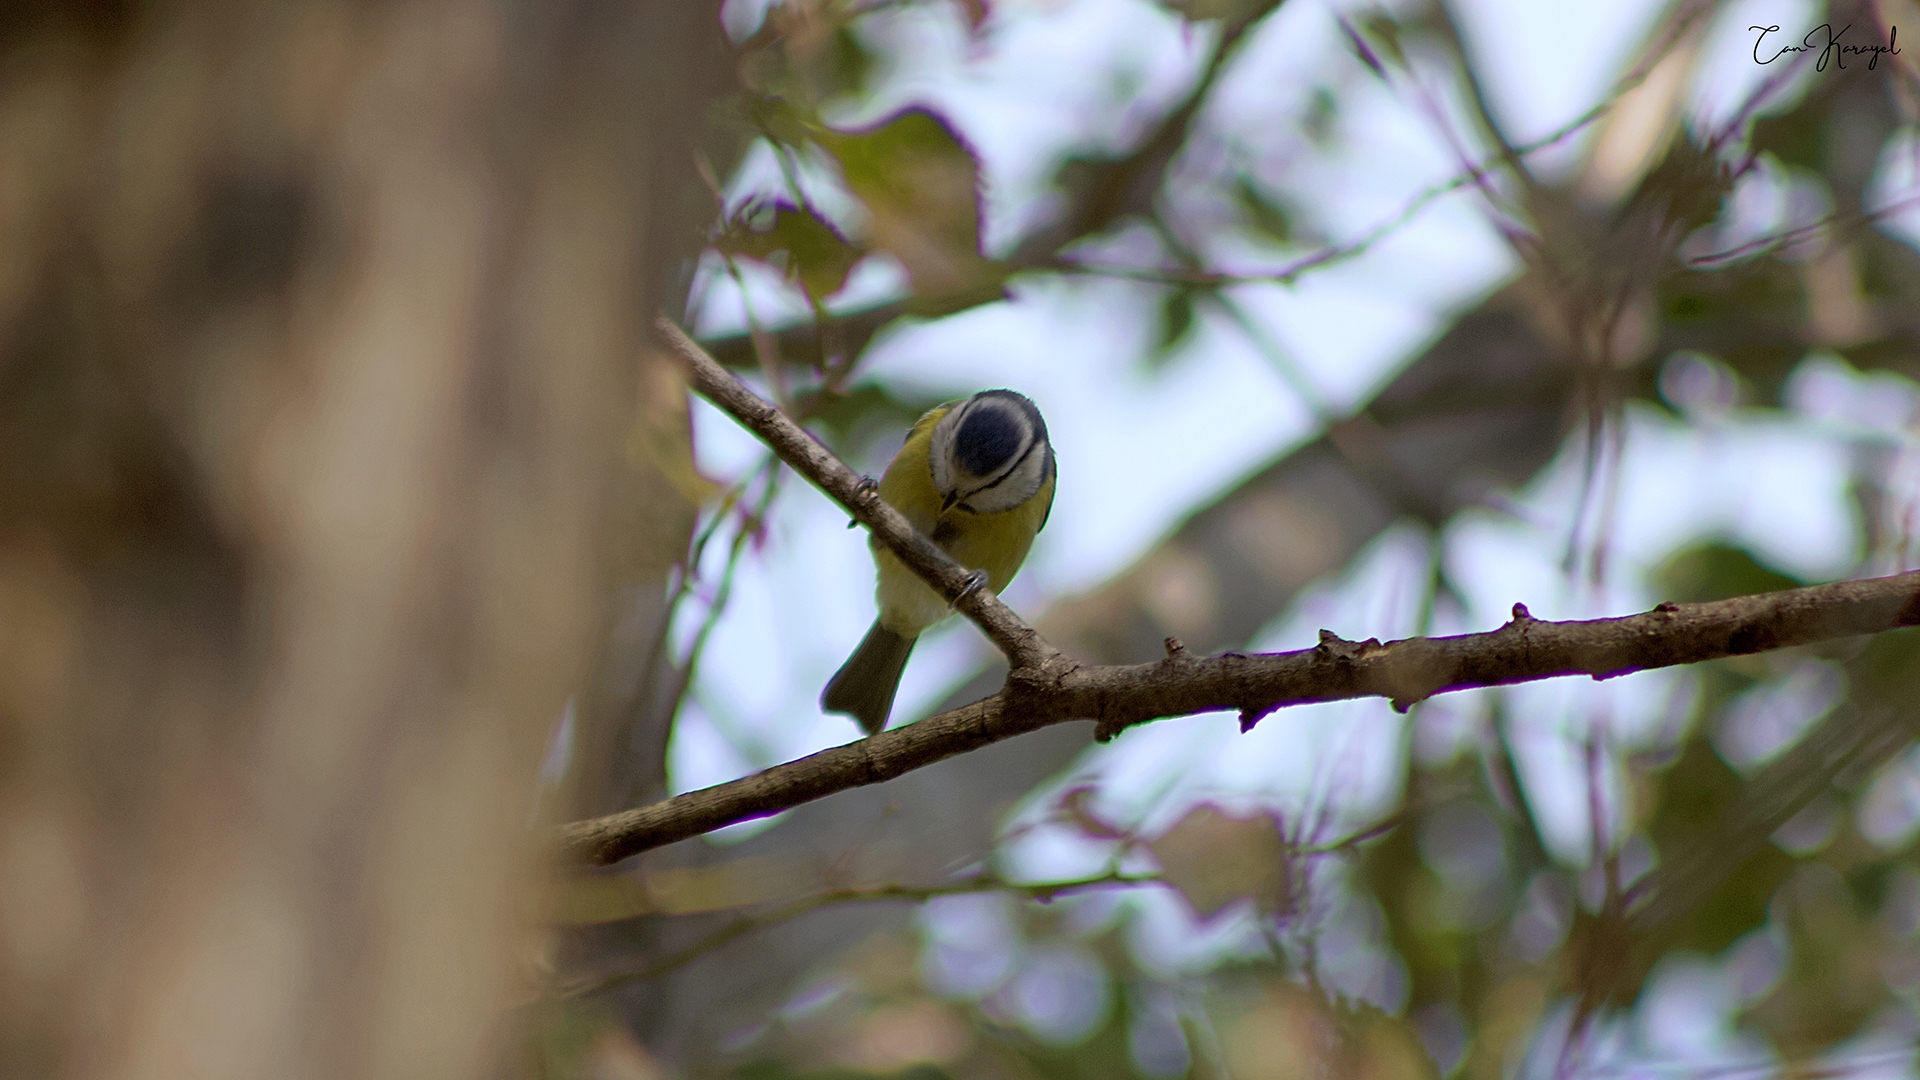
(677, 891)
(1214, 859)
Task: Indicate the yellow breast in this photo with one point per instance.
(997, 543)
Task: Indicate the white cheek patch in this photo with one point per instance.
(1018, 486)
(941, 450)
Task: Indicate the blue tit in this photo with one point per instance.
(976, 477)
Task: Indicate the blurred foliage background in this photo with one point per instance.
(351, 531)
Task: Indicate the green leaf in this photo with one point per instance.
(1176, 322)
(1689, 798)
(1833, 981)
(807, 248)
(845, 68)
(1385, 33)
(857, 420)
(1264, 215)
(1797, 137)
(807, 53)
(1717, 571)
(1301, 1031)
(1231, 10)
(921, 184)
(1323, 111)
(776, 118)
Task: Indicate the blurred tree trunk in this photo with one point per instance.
(319, 475)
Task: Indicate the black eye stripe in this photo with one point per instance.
(1008, 471)
(986, 439)
(1026, 449)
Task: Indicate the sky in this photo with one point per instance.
(1141, 447)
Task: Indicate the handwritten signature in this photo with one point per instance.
(1830, 50)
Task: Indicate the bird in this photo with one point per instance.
(976, 476)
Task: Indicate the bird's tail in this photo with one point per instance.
(864, 686)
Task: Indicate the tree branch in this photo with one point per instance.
(1044, 892)
(1043, 687)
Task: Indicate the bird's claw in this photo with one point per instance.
(974, 581)
(867, 486)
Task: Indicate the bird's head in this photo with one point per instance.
(990, 453)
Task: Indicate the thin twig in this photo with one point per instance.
(740, 928)
(1328, 254)
(752, 521)
(1773, 240)
(651, 722)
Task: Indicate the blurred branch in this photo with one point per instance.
(1043, 687)
(1635, 928)
(1521, 238)
(1103, 193)
(752, 520)
(1843, 743)
(1837, 221)
(647, 718)
(733, 931)
(1472, 175)
(857, 327)
(1119, 188)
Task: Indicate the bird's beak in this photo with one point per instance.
(952, 497)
